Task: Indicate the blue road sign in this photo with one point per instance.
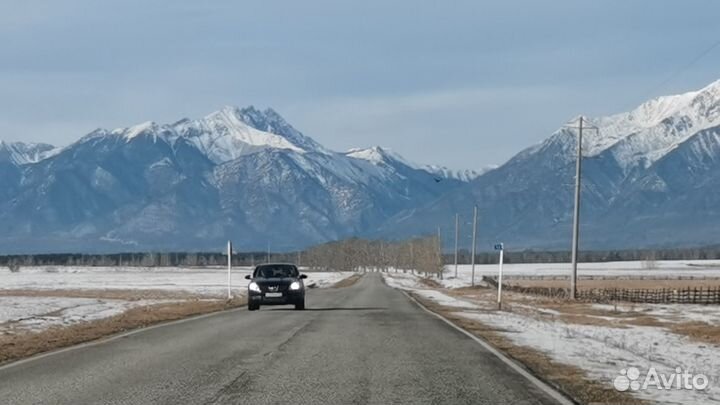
(499, 246)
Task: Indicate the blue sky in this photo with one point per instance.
(460, 83)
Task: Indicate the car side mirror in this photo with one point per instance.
(303, 276)
(248, 277)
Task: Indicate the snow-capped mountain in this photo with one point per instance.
(231, 132)
(21, 153)
(242, 174)
(652, 130)
(651, 177)
(648, 180)
(270, 121)
(378, 155)
(224, 135)
(14, 157)
(462, 175)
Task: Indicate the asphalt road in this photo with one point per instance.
(365, 344)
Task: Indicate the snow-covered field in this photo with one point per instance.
(605, 341)
(660, 269)
(40, 297)
(201, 281)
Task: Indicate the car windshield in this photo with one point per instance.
(276, 271)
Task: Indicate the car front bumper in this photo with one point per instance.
(288, 298)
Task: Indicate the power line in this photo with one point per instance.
(684, 68)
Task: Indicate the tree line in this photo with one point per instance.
(422, 254)
(138, 259)
(418, 254)
(588, 256)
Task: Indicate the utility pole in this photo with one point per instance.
(457, 226)
(474, 239)
(267, 258)
(576, 210)
(440, 254)
(576, 213)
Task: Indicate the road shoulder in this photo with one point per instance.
(567, 381)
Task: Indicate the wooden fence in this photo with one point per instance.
(691, 295)
(655, 296)
(653, 277)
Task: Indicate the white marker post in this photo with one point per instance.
(229, 255)
(501, 248)
(474, 245)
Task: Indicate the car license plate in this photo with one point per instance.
(273, 295)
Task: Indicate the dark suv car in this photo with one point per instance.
(276, 284)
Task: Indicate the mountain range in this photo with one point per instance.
(650, 179)
(239, 174)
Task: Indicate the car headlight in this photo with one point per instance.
(295, 285)
(254, 287)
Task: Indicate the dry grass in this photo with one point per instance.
(569, 379)
(577, 312)
(347, 282)
(14, 347)
(698, 331)
(430, 283)
(585, 314)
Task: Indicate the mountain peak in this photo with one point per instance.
(21, 153)
(232, 132)
(139, 129)
(648, 132)
(376, 155)
(462, 175)
(272, 122)
(223, 135)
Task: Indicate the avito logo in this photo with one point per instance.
(630, 379)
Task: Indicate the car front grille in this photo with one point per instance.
(274, 288)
